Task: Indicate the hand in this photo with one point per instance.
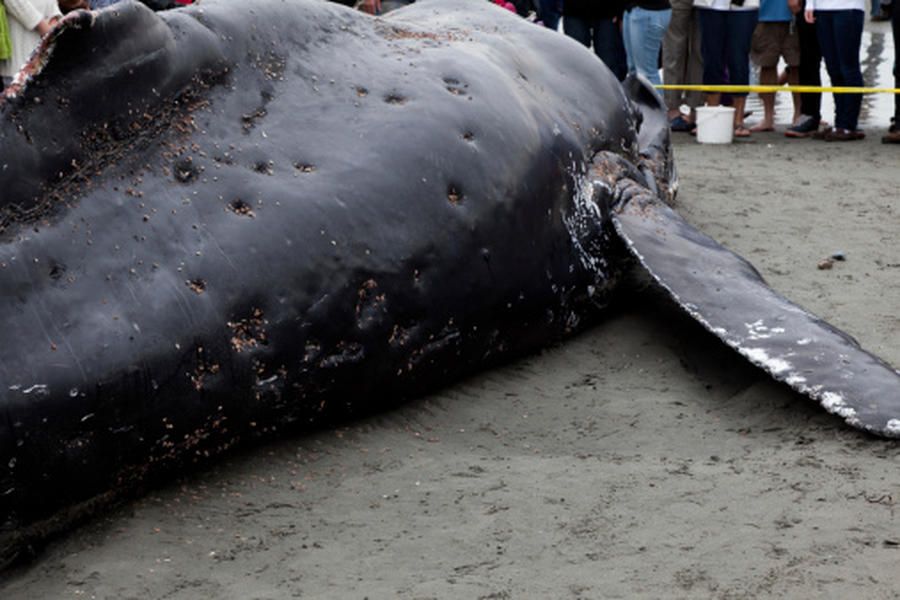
(373, 7)
(794, 6)
(44, 27)
(809, 16)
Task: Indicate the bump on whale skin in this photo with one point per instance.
(220, 223)
(217, 224)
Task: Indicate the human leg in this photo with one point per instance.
(837, 34)
(627, 38)
(808, 73)
(895, 28)
(578, 29)
(550, 13)
(609, 46)
(647, 30)
(825, 30)
(675, 49)
(790, 51)
(810, 66)
(767, 76)
(694, 64)
(849, 27)
(793, 79)
(893, 134)
(739, 28)
(713, 37)
(765, 50)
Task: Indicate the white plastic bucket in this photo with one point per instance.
(715, 124)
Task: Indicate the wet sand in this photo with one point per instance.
(640, 459)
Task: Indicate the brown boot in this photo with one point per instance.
(892, 136)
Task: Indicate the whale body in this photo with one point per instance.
(218, 224)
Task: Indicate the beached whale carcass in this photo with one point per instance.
(217, 223)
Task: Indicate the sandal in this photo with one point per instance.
(741, 132)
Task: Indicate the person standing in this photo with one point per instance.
(839, 25)
(644, 27)
(893, 134)
(598, 23)
(29, 21)
(775, 37)
(682, 63)
(809, 73)
(726, 29)
(551, 10)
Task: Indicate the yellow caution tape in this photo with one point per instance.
(735, 89)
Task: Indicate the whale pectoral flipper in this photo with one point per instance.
(729, 297)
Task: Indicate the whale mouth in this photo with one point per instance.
(40, 57)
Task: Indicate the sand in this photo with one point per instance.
(641, 458)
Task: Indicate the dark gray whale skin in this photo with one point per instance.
(217, 223)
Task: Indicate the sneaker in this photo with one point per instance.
(679, 123)
(844, 135)
(892, 136)
(805, 127)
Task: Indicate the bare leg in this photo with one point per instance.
(739, 129)
(794, 79)
(767, 76)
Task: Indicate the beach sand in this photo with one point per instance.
(641, 458)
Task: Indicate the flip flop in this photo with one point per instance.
(741, 132)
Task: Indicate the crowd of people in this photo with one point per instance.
(712, 42)
(715, 42)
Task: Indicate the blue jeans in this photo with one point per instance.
(607, 38)
(725, 37)
(840, 37)
(550, 13)
(643, 32)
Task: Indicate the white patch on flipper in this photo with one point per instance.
(758, 330)
(835, 403)
(795, 379)
(804, 342)
(760, 357)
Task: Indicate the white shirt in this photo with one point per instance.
(836, 5)
(23, 17)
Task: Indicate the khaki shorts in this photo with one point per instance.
(774, 40)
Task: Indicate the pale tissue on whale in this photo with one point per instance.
(759, 356)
